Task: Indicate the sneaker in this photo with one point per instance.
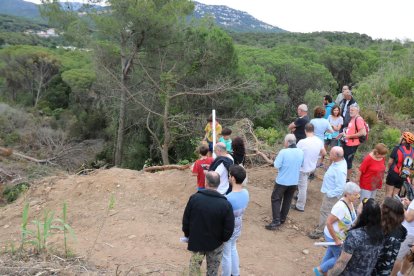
(315, 235)
(272, 226)
(316, 271)
(293, 206)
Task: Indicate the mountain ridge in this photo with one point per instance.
(225, 17)
(234, 20)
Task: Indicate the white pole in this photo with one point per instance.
(214, 131)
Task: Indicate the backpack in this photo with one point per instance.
(364, 138)
(407, 164)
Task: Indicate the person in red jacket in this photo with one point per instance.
(203, 163)
(399, 161)
(372, 171)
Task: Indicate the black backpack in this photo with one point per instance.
(364, 138)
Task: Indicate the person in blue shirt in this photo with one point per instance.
(332, 188)
(239, 199)
(328, 104)
(226, 139)
(288, 162)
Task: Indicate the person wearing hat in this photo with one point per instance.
(400, 164)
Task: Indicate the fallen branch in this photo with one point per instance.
(166, 167)
(264, 157)
(10, 152)
(261, 154)
(38, 161)
(85, 171)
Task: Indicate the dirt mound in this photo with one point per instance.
(45, 266)
(140, 234)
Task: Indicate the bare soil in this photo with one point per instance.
(140, 235)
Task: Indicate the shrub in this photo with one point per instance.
(11, 138)
(313, 99)
(370, 117)
(89, 125)
(11, 193)
(269, 135)
(405, 106)
(391, 136)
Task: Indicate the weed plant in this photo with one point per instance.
(25, 218)
(44, 229)
(65, 228)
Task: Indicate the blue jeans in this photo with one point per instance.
(331, 255)
(230, 260)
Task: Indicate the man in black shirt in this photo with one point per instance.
(298, 126)
(208, 222)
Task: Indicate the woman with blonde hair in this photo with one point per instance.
(372, 171)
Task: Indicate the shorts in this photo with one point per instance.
(405, 249)
(349, 154)
(393, 179)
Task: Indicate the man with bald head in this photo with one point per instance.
(332, 188)
(298, 126)
(208, 222)
(221, 165)
(288, 162)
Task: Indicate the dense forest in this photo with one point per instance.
(144, 78)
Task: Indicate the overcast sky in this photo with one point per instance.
(376, 18)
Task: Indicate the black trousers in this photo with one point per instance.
(349, 154)
(281, 200)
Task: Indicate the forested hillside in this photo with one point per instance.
(144, 79)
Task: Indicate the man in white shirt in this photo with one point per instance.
(221, 165)
(312, 148)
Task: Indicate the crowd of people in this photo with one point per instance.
(212, 220)
(363, 235)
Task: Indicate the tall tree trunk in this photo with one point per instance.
(39, 90)
(14, 95)
(121, 125)
(167, 134)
